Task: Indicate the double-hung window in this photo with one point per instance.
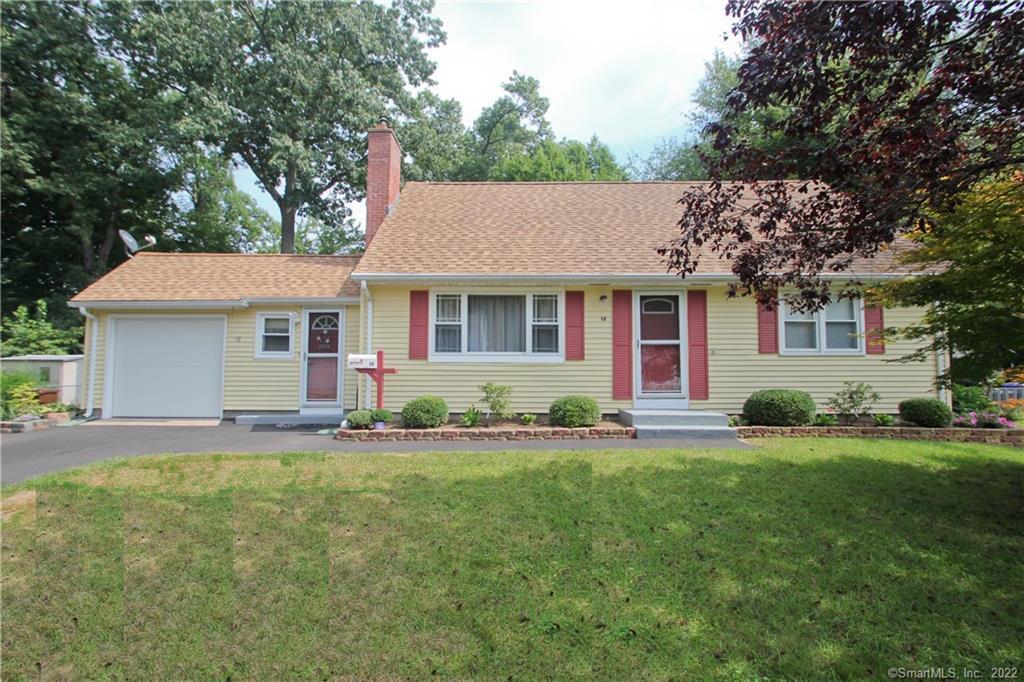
(497, 326)
(273, 335)
(837, 329)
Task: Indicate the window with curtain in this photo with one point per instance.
(836, 329)
(505, 324)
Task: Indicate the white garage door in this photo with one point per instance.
(167, 367)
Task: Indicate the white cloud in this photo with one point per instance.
(625, 70)
(622, 70)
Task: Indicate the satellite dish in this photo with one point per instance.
(131, 245)
(129, 241)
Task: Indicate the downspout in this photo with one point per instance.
(369, 339)
(90, 392)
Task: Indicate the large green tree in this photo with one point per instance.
(287, 87)
(565, 160)
(81, 151)
(970, 282)
(89, 149)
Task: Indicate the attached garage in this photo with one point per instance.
(165, 366)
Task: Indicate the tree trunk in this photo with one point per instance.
(288, 211)
(287, 229)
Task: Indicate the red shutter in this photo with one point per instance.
(419, 321)
(874, 324)
(622, 344)
(767, 329)
(574, 344)
(697, 340)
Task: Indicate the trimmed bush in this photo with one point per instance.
(425, 412)
(779, 407)
(359, 419)
(927, 412)
(573, 411)
(381, 415)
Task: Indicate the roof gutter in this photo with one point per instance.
(213, 305)
(90, 393)
(590, 278)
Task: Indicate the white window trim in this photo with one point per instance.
(261, 354)
(819, 330)
(529, 357)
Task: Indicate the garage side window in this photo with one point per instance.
(273, 336)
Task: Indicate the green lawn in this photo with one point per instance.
(801, 559)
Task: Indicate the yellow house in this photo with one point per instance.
(551, 288)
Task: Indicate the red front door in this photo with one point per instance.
(660, 348)
(323, 355)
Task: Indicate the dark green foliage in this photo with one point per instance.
(573, 411)
(971, 399)
(779, 407)
(381, 415)
(425, 412)
(927, 412)
(884, 419)
(25, 333)
(826, 420)
(359, 419)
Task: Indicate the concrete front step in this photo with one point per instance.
(691, 432)
(297, 419)
(673, 418)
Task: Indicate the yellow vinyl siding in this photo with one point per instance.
(250, 383)
(534, 385)
(736, 369)
(351, 378)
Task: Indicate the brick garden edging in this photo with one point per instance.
(464, 433)
(1014, 437)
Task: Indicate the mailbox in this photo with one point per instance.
(360, 361)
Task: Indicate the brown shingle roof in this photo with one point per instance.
(538, 228)
(154, 276)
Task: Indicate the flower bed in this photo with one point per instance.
(462, 433)
(1014, 437)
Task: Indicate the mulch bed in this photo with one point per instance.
(497, 432)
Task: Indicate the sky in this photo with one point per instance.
(624, 70)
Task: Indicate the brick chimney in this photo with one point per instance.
(383, 175)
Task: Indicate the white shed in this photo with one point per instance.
(63, 372)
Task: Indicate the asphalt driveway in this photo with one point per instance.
(25, 455)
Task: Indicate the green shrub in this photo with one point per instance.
(927, 412)
(825, 420)
(778, 407)
(25, 400)
(971, 399)
(854, 400)
(471, 417)
(528, 419)
(425, 412)
(381, 415)
(9, 380)
(499, 400)
(574, 410)
(359, 419)
(884, 419)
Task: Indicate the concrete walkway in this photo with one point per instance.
(25, 455)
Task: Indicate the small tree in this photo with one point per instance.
(499, 400)
(26, 334)
(854, 400)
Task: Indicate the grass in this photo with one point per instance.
(801, 559)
